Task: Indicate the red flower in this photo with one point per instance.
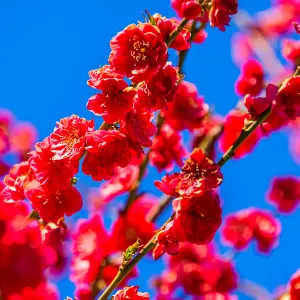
(68, 138)
(211, 129)
(138, 52)
(6, 118)
(23, 258)
(84, 292)
(22, 138)
(294, 286)
(20, 175)
(211, 275)
(189, 9)
(221, 11)
(107, 150)
(197, 219)
(4, 141)
(130, 292)
(97, 77)
(89, 248)
(234, 123)
(250, 224)
(288, 97)
(199, 174)
(166, 242)
(167, 148)
(57, 174)
(290, 50)
(217, 296)
(54, 236)
(266, 230)
(167, 26)
(251, 80)
(116, 98)
(133, 225)
(285, 193)
(237, 230)
(52, 206)
(278, 19)
(155, 94)
(187, 110)
(257, 105)
(41, 292)
(123, 181)
(138, 127)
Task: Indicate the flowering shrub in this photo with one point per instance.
(148, 110)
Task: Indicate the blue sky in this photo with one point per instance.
(47, 49)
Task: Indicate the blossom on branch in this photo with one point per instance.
(138, 52)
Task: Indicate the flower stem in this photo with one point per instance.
(176, 31)
(157, 211)
(243, 136)
(125, 271)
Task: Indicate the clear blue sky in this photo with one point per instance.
(47, 48)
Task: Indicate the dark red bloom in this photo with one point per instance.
(68, 138)
(20, 175)
(187, 110)
(138, 127)
(130, 292)
(160, 90)
(57, 174)
(213, 275)
(297, 27)
(167, 149)
(291, 50)
(167, 26)
(116, 98)
(257, 105)
(288, 97)
(199, 174)
(138, 52)
(294, 286)
(251, 80)
(285, 193)
(233, 125)
(133, 224)
(197, 219)
(189, 9)
(50, 205)
(107, 150)
(221, 12)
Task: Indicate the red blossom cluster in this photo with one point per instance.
(200, 271)
(148, 109)
(251, 224)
